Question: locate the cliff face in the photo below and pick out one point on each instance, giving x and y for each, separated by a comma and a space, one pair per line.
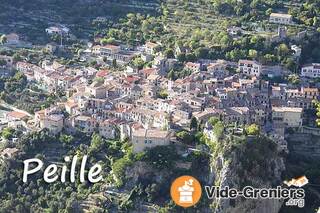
305, 145
253, 163
235, 172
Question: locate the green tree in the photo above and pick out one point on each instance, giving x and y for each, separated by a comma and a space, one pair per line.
185, 137
253, 54
114, 63
163, 94
169, 53
97, 142
138, 62
171, 75
106, 41
213, 121
193, 123
7, 133
317, 106
283, 50
253, 129
294, 79
218, 129
68, 139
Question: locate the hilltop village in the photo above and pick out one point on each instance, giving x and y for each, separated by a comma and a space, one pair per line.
225, 91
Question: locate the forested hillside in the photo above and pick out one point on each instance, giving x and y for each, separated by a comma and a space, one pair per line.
30, 18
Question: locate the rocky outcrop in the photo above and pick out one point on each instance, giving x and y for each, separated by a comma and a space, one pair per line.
235, 174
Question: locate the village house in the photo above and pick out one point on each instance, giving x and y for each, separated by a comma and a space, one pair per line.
52, 66
144, 73
297, 51
16, 119
239, 115
151, 48
259, 115
218, 69
58, 30
71, 107
31, 71
194, 67
297, 102
51, 119
274, 71
279, 18
204, 116
86, 124
113, 52
181, 50
308, 92
146, 57
149, 138
109, 129
15, 116
95, 106
250, 68
12, 39
9, 153
311, 70
154, 79
96, 89
164, 64
291, 117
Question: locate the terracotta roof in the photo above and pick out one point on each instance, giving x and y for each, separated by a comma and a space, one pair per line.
148, 71
310, 89
153, 133
151, 45
18, 115
71, 104
102, 73
132, 79
113, 47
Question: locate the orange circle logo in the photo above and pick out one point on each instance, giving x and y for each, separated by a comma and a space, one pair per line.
186, 191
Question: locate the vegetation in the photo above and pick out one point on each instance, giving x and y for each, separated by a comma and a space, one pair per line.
185, 137
38, 196
16, 91
163, 94
253, 129
7, 133
193, 123
317, 105
213, 121
218, 129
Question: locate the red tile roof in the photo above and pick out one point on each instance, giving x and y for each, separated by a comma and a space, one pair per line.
102, 73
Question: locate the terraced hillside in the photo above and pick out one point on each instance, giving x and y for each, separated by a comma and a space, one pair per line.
30, 18
195, 17
193, 13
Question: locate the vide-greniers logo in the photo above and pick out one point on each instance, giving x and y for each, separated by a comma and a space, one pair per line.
186, 191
